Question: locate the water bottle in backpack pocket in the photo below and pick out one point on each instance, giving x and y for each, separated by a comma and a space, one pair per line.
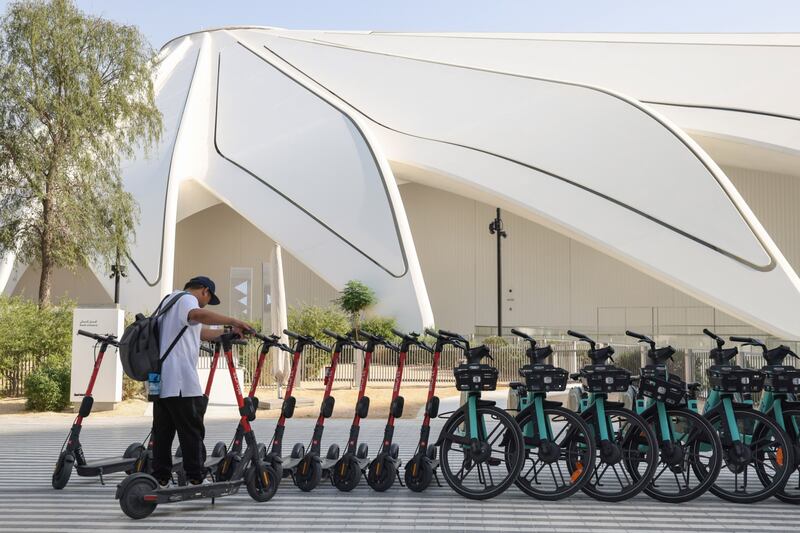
153, 386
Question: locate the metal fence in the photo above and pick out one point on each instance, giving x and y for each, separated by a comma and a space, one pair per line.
12, 380
508, 359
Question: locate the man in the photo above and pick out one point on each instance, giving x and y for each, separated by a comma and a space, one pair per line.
181, 406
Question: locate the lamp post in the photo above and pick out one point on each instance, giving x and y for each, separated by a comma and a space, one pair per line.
496, 228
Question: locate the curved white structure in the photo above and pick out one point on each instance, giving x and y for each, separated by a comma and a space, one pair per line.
587, 135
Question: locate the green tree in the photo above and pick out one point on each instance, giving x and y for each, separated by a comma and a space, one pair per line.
355, 298
77, 96
32, 336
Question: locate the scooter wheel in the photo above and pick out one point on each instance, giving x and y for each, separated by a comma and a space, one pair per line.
346, 474
333, 452
394, 450
298, 451
381, 473
131, 452
63, 470
220, 449
363, 450
227, 466
261, 451
131, 495
419, 473
430, 452
262, 484
308, 474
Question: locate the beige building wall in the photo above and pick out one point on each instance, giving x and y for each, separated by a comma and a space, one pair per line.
217, 239
551, 283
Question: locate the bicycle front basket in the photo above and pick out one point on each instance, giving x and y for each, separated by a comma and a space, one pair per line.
725, 378
605, 378
784, 379
544, 378
475, 377
671, 391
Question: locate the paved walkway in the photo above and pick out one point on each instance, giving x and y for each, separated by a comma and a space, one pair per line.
29, 447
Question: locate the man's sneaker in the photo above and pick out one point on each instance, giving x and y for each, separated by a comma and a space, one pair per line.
204, 481
165, 484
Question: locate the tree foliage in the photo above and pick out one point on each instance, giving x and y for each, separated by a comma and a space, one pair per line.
77, 96
32, 336
354, 299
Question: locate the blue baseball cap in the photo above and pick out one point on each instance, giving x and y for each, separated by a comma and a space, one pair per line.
208, 283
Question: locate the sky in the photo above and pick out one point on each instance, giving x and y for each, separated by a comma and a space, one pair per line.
161, 20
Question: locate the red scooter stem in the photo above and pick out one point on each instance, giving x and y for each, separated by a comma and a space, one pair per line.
290, 383
257, 374
93, 378
432, 386
212, 370
398, 378
237, 389
329, 384
362, 387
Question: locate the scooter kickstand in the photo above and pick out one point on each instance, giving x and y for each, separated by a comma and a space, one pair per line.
102, 481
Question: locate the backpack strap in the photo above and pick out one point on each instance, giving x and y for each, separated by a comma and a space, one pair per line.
157, 314
171, 346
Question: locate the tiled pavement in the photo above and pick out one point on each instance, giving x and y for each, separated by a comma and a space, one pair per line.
28, 448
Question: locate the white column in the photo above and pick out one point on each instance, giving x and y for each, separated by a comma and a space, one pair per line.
108, 385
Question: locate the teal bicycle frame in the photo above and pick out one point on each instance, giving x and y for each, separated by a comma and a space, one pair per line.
542, 428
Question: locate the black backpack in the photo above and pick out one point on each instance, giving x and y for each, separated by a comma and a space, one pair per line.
140, 346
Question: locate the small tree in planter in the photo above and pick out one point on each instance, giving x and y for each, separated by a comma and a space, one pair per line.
356, 297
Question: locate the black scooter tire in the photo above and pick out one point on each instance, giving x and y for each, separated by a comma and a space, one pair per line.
381, 473
308, 474
261, 487
346, 474
419, 473
130, 493
220, 450
63, 470
132, 451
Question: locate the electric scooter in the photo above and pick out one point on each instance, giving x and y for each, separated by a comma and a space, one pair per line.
421, 469
226, 465
72, 450
308, 471
145, 463
274, 456
385, 467
347, 471
139, 494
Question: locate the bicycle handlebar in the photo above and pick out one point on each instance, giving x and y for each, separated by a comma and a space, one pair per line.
750, 341
720, 340
107, 339
519, 333
582, 337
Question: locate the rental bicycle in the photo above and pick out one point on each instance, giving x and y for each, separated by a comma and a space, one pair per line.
481, 444
778, 401
690, 452
559, 449
758, 456
627, 448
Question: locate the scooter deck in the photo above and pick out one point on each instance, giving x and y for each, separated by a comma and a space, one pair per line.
108, 465
289, 464
194, 492
211, 462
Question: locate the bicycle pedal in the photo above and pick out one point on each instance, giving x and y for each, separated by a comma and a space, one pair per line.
493, 461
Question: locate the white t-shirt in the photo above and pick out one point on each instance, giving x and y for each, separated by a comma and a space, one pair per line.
179, 370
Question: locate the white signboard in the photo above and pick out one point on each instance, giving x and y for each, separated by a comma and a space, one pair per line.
108, 385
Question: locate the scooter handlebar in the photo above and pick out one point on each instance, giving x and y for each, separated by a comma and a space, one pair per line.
108, 339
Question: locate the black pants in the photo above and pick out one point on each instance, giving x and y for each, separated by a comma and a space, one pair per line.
184, 415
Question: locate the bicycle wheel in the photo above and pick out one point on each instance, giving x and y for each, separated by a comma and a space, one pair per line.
559, 464
689, 463
791, 491
625, 463
756, 467
480, 468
